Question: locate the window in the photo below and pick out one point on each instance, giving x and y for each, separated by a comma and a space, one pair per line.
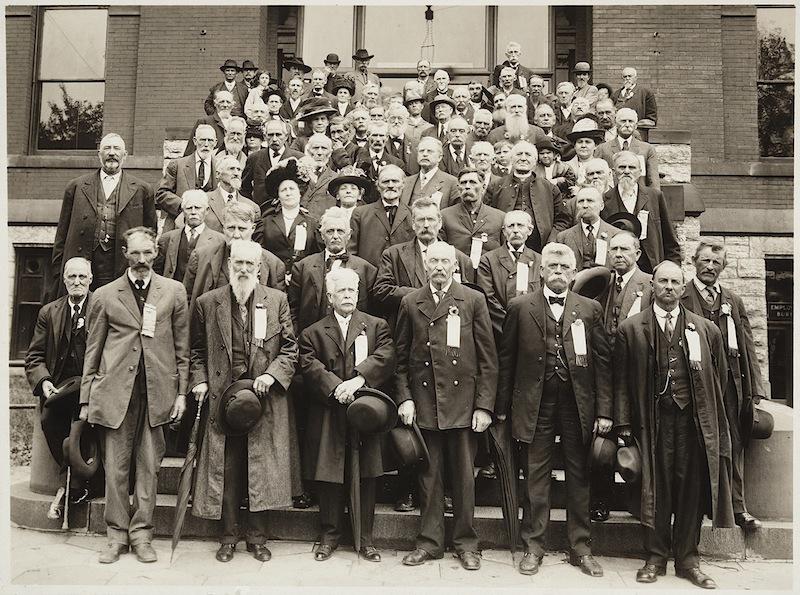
30, 284
780, 290
776, 81
71, 78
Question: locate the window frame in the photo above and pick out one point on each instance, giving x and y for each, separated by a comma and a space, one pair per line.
36, 102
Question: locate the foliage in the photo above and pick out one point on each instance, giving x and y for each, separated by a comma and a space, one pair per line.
72, 124
776, 101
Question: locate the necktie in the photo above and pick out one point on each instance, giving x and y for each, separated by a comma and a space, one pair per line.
668, 328
230, 199
459, 159
243, 314
192, 238
201, 174
275, 153
396, 143
343, 257
625, 145
139, 284
439, 296
76, 311
552, 299
710, 295
590, 235
390, 213
618, 284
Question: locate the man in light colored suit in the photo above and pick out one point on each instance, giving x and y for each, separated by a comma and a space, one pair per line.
229, 182
431, 181
135, 377
625, 140
589, 237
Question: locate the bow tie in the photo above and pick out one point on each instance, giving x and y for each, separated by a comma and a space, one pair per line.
343, 256
555, 300
139, 284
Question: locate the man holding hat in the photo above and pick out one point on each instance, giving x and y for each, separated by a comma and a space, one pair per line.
626, 140
705, 296
670, 379
583, 72
361, 74
555, 377
339, 355
243, 357
589, 237
331, 65
237, 89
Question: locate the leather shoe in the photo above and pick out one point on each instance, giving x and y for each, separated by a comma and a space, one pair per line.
530, 563
488, 472
587, 564
416, 558
225, 552
649, 573
324, 552
405, 503
470, 560
303, 501
448, 504
260, 551
145, 552
697, 577
112, 552
370, 553
746, 521
599, 514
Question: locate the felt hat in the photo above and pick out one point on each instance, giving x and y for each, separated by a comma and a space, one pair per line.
273, 90
362, 54
82, 449
602, 453
629, 461
351, 175
248, 65
279, 174
230, 64
591, 282
239, 409
546, 144
344, 82
582, 67
298, 62
586, 128
755, 422
332, 59
314, 107
408, 445
626, 222
69, 387
413, 95
442, 99
372, 411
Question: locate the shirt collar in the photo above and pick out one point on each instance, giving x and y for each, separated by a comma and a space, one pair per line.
661, 313
430, 174
115, 177
701, 287
627, 276
595, 227
79, 304
200, 229
342, 320
422, 247
511, 249
550, 293
146, 279
198, 159
444, 289
293, 214
374, 156
621, 140
328, 253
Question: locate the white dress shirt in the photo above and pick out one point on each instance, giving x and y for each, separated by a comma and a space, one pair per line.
595, 228
196, 230
110, 181
344, 323
626, 277
630, 200
146, 279
444, 290
661, 315
702, 288
556, 309
72, 305
424, 178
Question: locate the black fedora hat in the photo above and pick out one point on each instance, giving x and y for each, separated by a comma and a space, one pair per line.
298, 62
372, 411
278, 175
362, 54
315, 107
273, 90
239, 409
409, 445
82, 449
547, 144
351, 175
248, 65
626, 222
229, 63
344, 82
67, 388
591, 282
756, 423
629, 461
602, 453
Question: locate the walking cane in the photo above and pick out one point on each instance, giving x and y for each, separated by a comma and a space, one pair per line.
65, 522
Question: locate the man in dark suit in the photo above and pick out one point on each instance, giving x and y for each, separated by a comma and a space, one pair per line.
447, 382
482, 124
545, 118
625, 140
195, 171
431, 181
669, 380
291, 107
555, 369
589, 237
260, 162
385, 222
340, 354
455, 150
638, 98
399, 144
463, 107
523, 74
374, 157
237, 89
317, 88
706, 297
523, 190
510, 270
228, 175
659, 241
536, 96
219, 120
96, 211
135, 378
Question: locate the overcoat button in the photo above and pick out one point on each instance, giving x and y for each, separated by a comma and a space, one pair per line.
428, 344
427, 363
455, 361
218, 372
455, 382
424, 384
130, 368
431, 324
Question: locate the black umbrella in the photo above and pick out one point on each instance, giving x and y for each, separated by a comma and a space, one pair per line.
508, 474
355, 490
185, 482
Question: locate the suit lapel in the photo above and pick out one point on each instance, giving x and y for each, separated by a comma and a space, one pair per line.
224, 322
537, 311
259, 296
317, 274
189, 172
171, 257
334, 332
217, 205
576, 233
127, 298
89, 190
505, 259
399, 216
380, 215
426, 303
571, 313
126, 192
59, 320
641, 201
408, 256
357, 325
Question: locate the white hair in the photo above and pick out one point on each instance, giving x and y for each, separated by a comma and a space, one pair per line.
198, 195
525, 215
109, 136
455, 119
482, 144
565, 85
205, 126
246, 248
627, 111
448, 249
337, 275
334, 214
556, 249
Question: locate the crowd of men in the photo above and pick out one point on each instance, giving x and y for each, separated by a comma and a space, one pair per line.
483, 255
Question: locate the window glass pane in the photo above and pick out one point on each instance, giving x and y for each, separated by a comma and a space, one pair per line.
530, 27
458, 35
776, 43
337, 23
73, 45
71, 116
776, 120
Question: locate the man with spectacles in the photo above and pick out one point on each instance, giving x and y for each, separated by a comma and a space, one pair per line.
233, 142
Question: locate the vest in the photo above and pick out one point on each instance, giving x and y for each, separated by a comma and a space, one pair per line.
523, 203
73, 345
240, 340
711, 312
614, 307
184, 250
106, 223
673, 370
555, 362
589, 248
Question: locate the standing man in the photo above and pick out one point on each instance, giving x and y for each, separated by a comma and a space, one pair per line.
669, 380
361, 73
536, 95
135, 377
424, 77
589, 237
417, 125
219, 120
340, 354
331, 65
237, 89
454, 151
374, 157
400, 144
555, 369
583, 88
639, 99
522, 73
249, 74
441, 323
442, 107
228, 176
625, 140
706, 297
96, 211
431, 181
260, 162
233, 140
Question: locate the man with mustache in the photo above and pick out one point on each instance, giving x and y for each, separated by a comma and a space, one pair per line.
522, 74
481, 126
233, 141
424, 77
583, 72
606, 118
400, 144
243, 330
625, 140
431, 181
96, 211
516, 126
415, 103
454, 151
238, 90
361, 73
374, 157
565, 92
223, 105
589, 237
545, 118
260, 162
229, 183
639, 99
135, 378
536, 96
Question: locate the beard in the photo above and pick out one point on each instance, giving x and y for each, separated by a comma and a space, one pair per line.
627, 185
517, 126
242, 286
233, 147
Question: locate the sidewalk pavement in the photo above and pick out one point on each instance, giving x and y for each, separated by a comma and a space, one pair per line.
53, 558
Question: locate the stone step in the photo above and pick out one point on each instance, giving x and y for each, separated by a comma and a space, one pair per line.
619, 536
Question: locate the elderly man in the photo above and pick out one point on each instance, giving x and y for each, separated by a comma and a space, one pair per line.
669, 382
383, 223
431, 181
233, 141
361, 73
249, 74
291, 106
583, 88
481, 155
332, 376
441, 81
659, 240
317, 88
96, 211
472, 226
135, 377
625, 140
315, 195
370, 98
330, 66
400, 144
706, 297
481, 126
545, 118
516, 126
579, 109
510, 270
223, 104
477, 96
195, 171
589, 237
565, 92
639, 99
463, 107
438, 324
522, 73
424, 77
597, 173
606, 118
536, 95
208, 266
442, 108
523, 190
229, 183
507, 82
359, 120
260, 162
416, 125
237, 89
454, 151
241, 335
374, 157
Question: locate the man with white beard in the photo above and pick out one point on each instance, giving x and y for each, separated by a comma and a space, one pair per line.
233, 141
399, 144
516, 125
223, 104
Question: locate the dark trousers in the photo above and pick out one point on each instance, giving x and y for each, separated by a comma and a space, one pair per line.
332, 499
235, 487
558, 414
104, 270
457, 458
678, 484
732, 408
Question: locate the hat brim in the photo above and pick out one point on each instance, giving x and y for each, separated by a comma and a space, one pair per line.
591, 282
602, 453
277, 176
69, 387
83, 439
598, 136
302, 66
367, 391
626, 222
434, 103
364, 183
223, 68
362, 57
230, 392
328, 111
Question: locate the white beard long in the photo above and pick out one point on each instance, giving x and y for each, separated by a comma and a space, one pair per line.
242, 288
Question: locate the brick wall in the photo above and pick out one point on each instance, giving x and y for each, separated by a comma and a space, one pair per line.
20, 35
122, 52
745, 191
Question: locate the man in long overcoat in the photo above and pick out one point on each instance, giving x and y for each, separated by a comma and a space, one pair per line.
670, 376
227, 345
